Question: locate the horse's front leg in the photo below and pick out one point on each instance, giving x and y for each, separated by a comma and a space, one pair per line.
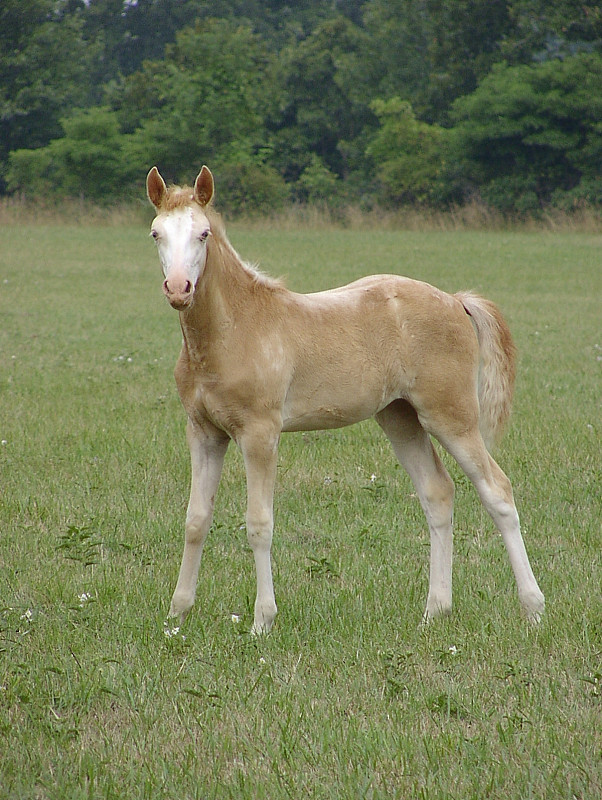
207, 450
260, 453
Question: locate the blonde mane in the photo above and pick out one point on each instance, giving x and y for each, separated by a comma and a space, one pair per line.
176, 197
182, 197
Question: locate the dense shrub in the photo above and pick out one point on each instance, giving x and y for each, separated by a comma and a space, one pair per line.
409, 154
250, 189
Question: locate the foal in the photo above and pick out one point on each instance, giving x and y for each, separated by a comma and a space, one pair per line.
258, 359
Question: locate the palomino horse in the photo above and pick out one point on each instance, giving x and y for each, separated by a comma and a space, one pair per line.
258, 359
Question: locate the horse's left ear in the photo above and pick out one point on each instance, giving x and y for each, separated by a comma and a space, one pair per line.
203, 187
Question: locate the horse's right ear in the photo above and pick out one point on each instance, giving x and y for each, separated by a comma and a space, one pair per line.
203, 186
155, 187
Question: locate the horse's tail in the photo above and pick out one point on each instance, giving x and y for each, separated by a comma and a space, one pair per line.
497, 368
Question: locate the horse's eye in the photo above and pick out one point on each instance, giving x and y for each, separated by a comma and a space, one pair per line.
203, 236
154, 234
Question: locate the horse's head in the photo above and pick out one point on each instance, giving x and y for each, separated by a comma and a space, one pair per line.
181, 231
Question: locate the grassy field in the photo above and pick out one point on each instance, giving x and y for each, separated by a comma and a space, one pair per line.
348, 697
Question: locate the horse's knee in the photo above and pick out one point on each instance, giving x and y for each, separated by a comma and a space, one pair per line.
197, 526
259, 530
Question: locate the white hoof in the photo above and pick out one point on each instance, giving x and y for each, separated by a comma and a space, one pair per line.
180, 606
436, 608
534, 605
264, 620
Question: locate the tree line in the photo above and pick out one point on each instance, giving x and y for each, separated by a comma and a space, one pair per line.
380, 102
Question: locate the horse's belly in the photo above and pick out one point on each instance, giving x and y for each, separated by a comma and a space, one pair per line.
337, 411
321, 419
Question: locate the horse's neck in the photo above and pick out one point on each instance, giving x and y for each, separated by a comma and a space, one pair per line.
224, 289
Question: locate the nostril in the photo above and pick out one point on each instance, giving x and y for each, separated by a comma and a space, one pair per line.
177, 286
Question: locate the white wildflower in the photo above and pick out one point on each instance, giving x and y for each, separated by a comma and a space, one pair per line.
83, 598
28, 615
235, 618
327, 480
171, 632
453, 650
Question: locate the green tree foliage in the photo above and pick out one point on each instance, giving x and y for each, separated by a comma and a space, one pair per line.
250, 188
397, 53
133, 31
410, 100
317, 185
325, 94
465, 37
543, 29
532, 134
205, 102
43, 71
278, 22
410, 155
431, 51
87, 161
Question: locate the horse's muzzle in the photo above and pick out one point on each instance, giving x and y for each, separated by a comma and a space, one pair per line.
178, 293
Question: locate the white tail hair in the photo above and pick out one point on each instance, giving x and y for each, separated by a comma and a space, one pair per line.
497, 368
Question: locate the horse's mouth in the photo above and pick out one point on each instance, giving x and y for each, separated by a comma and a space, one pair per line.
180, 303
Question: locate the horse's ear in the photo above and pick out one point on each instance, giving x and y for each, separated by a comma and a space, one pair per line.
203, 187
155, 187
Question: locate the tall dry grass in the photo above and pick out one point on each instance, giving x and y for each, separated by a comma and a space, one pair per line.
17, 210
472, 216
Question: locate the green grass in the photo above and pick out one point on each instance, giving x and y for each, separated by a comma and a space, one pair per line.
348, 697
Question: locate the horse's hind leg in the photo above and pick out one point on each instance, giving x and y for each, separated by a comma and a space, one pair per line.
435, 489
495, 492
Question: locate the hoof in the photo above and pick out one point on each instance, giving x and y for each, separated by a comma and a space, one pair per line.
264, 620
534, 606
434, 610
180, 607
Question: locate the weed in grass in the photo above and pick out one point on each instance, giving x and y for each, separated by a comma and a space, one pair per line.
80, 544
321, 567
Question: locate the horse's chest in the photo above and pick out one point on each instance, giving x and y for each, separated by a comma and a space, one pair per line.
205, 396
